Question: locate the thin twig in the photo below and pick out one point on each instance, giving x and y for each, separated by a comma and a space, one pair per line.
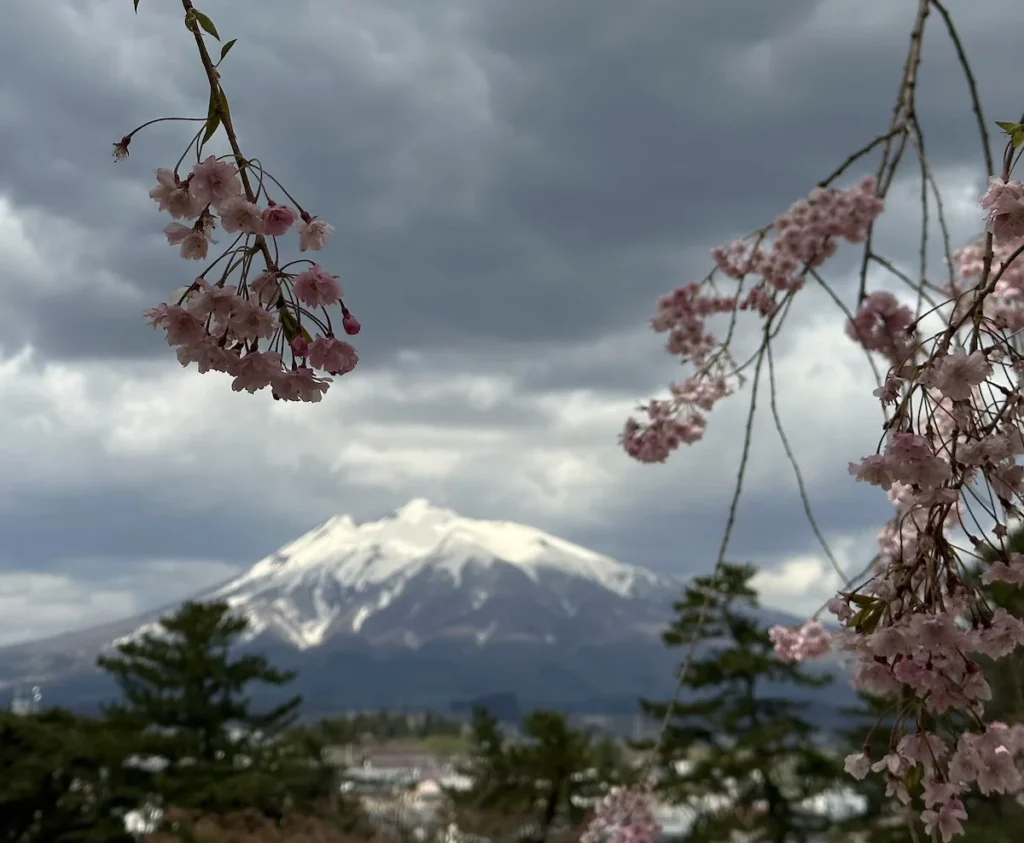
860, 153
972, 85
796, 469
723, 548
902, 112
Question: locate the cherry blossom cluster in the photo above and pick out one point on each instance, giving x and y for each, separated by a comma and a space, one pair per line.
807, 642
267, 327
955, 413
220, 326
1005, 304
623, 815
884, 325
920, 624
805, 237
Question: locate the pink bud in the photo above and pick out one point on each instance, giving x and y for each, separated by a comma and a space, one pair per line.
299, 346
351, 324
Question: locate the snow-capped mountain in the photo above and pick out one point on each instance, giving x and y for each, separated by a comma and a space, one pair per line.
421, 608
427, 574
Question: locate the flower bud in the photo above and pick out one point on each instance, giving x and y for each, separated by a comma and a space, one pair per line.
351, 324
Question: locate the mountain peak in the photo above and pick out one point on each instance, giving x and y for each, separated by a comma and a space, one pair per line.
420, 509
315, 580
421, 535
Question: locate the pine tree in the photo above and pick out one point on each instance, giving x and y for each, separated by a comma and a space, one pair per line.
752, 758
525, 790
551, 767
184, 700
62, 780
488, 766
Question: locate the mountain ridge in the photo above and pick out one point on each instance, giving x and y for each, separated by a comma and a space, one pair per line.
421, 607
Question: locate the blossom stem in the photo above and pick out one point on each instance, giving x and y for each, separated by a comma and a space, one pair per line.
229, 129
161, 120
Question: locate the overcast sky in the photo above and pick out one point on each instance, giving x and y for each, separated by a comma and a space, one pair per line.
513, 185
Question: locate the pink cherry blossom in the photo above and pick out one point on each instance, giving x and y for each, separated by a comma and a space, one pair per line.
857, 765
301, 384
333, 356
314, 233
1004, 201
624, 815
948, 819
213, 182
1011, 571
239, 214
795, 645
956, 375
884, 325
316, 287
172, 195
248, 322
256, 370
277, 219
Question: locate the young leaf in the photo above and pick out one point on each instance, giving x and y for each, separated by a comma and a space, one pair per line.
1017, 138
1009, 128
226, 109
288, 323
207, 24
212, 118
913, 778
227, 48
871, 619
136, 6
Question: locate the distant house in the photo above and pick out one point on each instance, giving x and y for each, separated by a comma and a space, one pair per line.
428, 795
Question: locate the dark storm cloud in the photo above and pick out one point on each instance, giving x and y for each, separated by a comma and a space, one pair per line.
533, 181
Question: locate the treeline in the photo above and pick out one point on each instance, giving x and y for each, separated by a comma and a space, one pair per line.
389, 725
184, 747
186, 739
738, 750
539, 786
183, 739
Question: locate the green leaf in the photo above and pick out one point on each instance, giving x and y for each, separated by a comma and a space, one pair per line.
861, 600
871, 619
224, 104
1017, 138
212, 117
1009, 128
207, 24
288, 323
227, 48
913, 778
136, 6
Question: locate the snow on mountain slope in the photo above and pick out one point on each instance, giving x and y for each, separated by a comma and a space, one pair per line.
425, 573
420, 535
421, 608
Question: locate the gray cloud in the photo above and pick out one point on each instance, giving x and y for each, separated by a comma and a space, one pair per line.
513, 185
